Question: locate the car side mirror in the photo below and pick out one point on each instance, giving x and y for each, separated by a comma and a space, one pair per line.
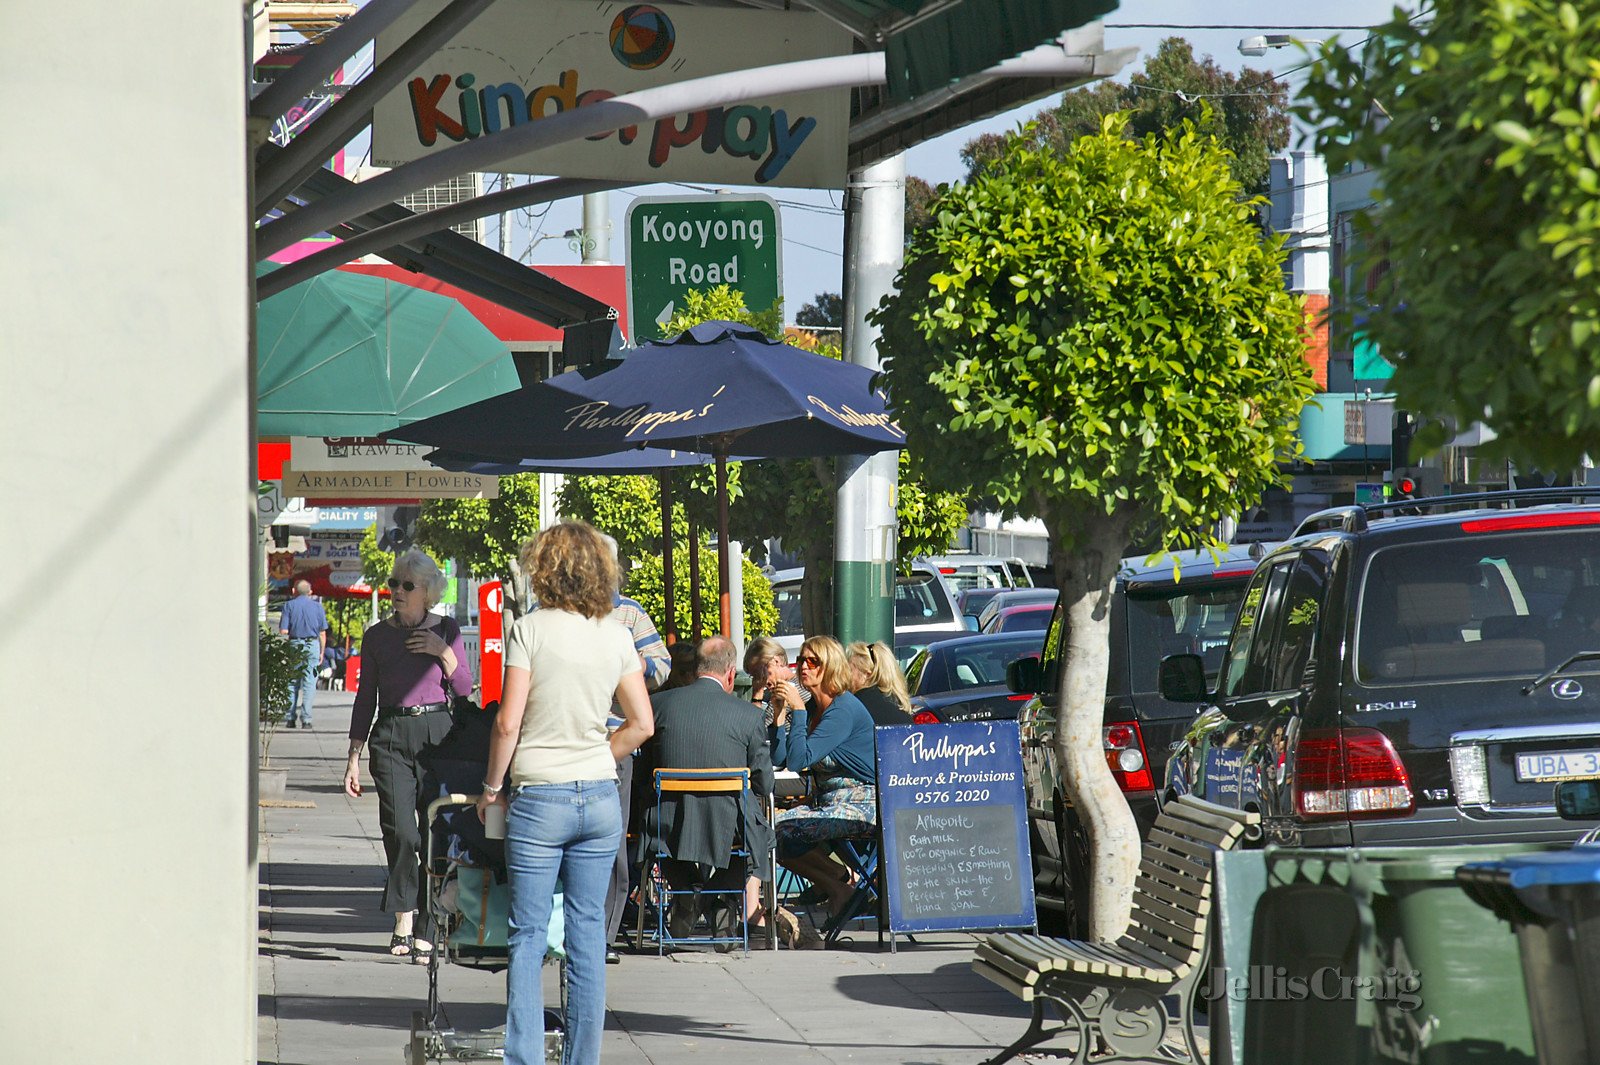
1024, 676
1578, 800
970, 621
1182, 679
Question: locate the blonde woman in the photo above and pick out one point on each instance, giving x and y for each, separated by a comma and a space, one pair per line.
833, 739
565, 663
879, 684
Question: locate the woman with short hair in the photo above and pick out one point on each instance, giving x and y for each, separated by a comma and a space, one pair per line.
565, 664
413, 663
879, 684
833, 738
772, 682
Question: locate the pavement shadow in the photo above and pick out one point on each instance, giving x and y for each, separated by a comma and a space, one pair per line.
753, 1032
952, 988
278, 875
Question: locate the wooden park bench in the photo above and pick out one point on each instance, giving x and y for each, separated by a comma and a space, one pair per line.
1110, 994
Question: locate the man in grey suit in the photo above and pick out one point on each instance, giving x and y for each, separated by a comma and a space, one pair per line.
704, 726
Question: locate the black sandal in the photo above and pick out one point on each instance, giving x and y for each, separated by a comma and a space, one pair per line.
421, 951
400, 946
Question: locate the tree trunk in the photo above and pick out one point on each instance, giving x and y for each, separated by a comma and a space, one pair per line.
512, 604
816, 589
1088, 551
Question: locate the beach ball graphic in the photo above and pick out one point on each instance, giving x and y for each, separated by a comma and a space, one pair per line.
642, 37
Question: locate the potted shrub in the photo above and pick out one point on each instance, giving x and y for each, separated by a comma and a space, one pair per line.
279, 664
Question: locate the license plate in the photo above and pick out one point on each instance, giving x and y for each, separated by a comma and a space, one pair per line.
1559, 765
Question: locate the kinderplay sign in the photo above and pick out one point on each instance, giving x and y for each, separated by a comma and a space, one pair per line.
520, 63
699, 242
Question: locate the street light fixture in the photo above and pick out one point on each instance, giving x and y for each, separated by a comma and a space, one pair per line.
1261, 44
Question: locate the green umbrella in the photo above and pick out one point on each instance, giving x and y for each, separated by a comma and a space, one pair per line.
345, 354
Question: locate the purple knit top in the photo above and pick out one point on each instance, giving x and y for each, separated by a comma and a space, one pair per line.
393, 676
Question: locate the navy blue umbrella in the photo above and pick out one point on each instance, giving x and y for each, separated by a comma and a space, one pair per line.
721, 386
725, 386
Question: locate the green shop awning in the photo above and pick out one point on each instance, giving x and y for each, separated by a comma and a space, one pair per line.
346, 354
929, 44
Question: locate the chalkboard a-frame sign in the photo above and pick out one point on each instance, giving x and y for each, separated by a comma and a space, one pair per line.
954, 819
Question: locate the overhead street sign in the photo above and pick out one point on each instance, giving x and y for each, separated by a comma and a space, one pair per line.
675, 245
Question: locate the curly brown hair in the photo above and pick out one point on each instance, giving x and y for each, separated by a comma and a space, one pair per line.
569, 567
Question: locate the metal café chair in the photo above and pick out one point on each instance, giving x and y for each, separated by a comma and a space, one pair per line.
734, 783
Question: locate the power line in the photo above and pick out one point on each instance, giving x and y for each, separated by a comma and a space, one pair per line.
1217, 26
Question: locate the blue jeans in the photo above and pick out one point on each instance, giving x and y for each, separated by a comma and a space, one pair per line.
568, 832
305, 685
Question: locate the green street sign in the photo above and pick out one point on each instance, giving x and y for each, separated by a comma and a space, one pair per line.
679, 244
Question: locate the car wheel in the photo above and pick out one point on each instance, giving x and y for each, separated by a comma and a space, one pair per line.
1075, 871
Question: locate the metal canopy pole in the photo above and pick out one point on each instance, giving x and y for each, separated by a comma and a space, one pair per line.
631, 109
391, 226
284, 172
317, 64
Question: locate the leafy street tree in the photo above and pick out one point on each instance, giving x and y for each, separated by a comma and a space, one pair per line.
1099, 337
485, 534
1247, 112
825, 310
629, 509
1483, 124
920, 196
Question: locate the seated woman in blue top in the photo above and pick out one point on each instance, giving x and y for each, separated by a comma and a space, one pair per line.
833, 739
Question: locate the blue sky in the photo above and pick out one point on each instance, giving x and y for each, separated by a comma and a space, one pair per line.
813, 221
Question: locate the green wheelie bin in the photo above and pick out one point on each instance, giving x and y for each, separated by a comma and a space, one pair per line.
1377, 955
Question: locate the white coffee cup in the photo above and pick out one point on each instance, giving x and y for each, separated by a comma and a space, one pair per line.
494, 821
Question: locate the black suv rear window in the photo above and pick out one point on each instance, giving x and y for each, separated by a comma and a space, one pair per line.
1479, 607
1192, 618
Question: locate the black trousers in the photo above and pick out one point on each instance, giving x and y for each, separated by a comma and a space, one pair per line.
395, 743
621, 872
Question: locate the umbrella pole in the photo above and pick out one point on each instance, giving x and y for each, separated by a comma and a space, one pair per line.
669, 590
723, 576
694, 578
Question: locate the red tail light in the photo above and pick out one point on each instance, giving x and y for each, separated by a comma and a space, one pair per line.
924, 717
1125, 754
1353, 772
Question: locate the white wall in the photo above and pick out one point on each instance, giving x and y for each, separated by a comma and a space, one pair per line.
127, 927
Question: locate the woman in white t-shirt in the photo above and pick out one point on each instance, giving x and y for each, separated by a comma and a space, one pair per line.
565, 663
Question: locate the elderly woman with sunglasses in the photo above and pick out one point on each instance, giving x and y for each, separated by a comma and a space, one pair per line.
833, 739
412, 664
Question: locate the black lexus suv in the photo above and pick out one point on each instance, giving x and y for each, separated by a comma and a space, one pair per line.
1416, 672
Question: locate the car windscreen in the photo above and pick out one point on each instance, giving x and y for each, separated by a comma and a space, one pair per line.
1187, 618
1033, 620
1479, 606
974, 665
975, 575
918, 600
791, 619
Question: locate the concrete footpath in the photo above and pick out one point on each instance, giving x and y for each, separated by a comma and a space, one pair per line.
330, 993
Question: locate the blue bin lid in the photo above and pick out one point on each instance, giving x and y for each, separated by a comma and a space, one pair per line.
1580, 865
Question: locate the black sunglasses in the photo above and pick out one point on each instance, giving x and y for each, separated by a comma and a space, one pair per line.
810, 660
409, 586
